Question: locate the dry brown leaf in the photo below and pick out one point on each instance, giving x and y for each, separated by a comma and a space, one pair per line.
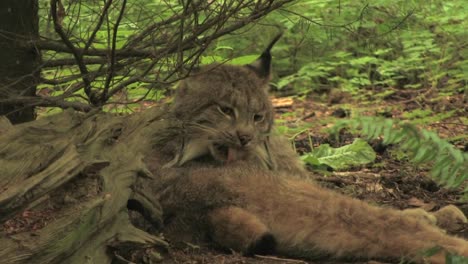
421, 204
374, 187
282, 102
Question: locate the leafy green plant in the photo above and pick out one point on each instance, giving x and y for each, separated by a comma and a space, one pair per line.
357, 153
455, 259
450, 258
360, 44
449, 164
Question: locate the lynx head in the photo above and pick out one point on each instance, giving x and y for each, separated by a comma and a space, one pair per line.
227, 113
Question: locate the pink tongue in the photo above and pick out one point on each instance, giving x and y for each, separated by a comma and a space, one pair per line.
231, 155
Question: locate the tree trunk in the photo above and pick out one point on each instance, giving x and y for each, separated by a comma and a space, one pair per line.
19, 67
66, 182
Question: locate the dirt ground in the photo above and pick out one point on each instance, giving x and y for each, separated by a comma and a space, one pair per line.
387, 182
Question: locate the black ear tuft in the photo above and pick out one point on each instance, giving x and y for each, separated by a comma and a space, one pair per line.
262, 66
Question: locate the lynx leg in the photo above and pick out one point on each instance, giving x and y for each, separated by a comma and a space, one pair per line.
237, 229
308, 221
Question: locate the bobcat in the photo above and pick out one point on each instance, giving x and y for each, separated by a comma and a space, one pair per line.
225, 177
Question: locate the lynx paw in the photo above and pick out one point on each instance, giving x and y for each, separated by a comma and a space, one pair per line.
236, 229
265, 245
450, 218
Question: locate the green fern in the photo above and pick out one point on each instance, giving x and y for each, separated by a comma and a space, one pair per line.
450, 165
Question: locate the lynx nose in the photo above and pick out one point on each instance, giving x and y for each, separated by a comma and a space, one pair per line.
244, 138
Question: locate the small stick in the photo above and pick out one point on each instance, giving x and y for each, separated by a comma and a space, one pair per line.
281, 259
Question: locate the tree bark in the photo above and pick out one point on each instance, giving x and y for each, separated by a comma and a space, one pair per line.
19, 67
67, 181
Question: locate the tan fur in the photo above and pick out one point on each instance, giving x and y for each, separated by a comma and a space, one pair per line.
421, 215
241, 202
200, 101
450, 218
244, 228
256, 197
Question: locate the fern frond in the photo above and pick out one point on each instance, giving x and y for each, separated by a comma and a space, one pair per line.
449, 164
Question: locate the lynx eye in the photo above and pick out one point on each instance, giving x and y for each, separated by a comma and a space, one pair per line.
258, 117
226, 110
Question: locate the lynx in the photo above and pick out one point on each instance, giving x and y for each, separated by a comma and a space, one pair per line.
225, 177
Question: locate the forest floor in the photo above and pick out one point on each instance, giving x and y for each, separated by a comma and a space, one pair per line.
390, 181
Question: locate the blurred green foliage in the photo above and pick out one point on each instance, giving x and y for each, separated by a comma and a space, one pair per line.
349, 45
353, 45
449, 164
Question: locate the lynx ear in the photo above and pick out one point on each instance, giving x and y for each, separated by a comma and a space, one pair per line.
262, 66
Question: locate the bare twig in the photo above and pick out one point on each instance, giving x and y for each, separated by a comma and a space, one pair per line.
410, 13
110, 71
46, 101
124, 53
98, 25
281, 260
138, 38
174, 43
61, 80
78, 57
359, 18
71, 62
